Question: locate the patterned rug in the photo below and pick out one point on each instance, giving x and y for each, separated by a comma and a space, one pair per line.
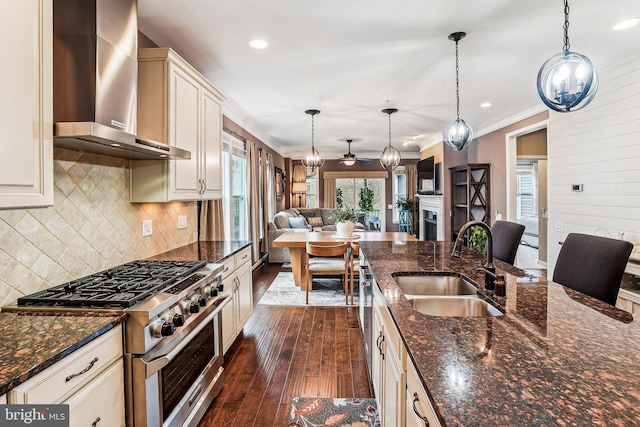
326, 292
306, 412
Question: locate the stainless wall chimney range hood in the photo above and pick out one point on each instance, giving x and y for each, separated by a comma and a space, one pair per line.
95, 78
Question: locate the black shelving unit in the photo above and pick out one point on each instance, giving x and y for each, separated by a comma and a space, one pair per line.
470, 195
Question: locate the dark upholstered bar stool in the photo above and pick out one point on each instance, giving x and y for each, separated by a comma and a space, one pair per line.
506, 239
593, 265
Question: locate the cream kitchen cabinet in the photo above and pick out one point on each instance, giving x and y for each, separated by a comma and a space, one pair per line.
419, 412
3, 399
238, 284
90, 380
177, 106
26, 109
628, 301
388, 361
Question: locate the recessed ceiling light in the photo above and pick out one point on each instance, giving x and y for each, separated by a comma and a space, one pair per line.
258, 44
627, 23
485, 105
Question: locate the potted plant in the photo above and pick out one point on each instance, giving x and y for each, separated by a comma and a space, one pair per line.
345, 221
478, 239
405, 204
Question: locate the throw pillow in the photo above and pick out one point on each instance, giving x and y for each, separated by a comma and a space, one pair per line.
281, 220
298, 222
315, 221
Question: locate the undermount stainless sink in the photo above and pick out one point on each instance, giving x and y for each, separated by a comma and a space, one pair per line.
455, 307
419, 285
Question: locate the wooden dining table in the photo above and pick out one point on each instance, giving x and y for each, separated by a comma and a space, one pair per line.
297, 244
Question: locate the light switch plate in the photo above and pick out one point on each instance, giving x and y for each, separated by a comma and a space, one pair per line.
182, 221
147, 227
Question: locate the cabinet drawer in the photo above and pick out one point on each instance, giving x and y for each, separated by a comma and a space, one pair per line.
243, 256
422, 405
3, 399
229, 266
101, 401
63, 378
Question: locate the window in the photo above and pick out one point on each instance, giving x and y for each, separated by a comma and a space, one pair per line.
312, 190
235, 205
348, 192
399, 189
527, 190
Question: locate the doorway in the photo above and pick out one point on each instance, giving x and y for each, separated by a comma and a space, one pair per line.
527, 191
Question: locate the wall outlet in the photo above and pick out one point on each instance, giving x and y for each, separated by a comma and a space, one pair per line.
389, 206
182, 221
498, 216
559, 226
147, 227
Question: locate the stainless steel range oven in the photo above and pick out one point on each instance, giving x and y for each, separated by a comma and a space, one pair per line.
172, 333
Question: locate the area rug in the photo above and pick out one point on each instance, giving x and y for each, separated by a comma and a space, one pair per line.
326, 292
306, 412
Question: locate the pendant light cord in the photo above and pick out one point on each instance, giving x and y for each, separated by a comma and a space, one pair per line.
566, 26
312, 134
389, 129
457, 84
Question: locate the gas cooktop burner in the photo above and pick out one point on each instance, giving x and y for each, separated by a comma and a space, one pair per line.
122, 286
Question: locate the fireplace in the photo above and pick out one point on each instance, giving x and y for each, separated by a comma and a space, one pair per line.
430, 225
431, 209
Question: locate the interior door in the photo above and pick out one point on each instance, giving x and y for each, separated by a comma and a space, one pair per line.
543, 214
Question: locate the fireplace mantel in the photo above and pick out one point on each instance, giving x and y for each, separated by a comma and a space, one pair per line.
434, 204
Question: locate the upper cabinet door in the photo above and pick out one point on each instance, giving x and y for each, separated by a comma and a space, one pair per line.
184, 133
26, 106
212, 145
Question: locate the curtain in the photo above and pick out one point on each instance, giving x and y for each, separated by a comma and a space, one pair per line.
268, 200
253, 200
211, 220
329, 192
412, 180
412, 184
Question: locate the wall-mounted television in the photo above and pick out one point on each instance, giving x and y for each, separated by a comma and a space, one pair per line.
428, 176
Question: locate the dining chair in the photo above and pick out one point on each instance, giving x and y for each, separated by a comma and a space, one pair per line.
506, 239
332, 259
354, 266
592, 265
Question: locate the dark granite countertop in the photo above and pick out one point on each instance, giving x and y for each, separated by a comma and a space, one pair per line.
210, 251
32, 342
556, 358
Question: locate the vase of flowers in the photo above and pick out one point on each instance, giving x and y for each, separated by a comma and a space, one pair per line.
345, 221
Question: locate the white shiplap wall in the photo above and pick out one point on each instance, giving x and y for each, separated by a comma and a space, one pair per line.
599, 147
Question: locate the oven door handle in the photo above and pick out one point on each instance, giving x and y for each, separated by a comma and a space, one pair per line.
154, 363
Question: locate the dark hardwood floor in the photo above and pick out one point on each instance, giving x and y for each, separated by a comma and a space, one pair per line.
285, 352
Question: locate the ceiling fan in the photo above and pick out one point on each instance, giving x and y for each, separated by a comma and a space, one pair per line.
350, 159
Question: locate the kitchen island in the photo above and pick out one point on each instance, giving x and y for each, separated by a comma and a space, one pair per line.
557, 357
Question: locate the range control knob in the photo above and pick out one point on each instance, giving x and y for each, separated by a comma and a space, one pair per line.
163, 329
176, 319
206, 291
199, 299
194, 307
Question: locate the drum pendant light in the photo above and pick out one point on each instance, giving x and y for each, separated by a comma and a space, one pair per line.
312, 159
458, 134
567, 81
390, 158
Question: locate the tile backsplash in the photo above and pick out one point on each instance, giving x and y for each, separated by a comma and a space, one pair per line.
91, 227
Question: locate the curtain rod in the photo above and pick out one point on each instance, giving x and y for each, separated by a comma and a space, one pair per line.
236, 134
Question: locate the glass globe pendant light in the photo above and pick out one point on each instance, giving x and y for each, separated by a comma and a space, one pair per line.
458, 134
567, 81
312, 159
390, 158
